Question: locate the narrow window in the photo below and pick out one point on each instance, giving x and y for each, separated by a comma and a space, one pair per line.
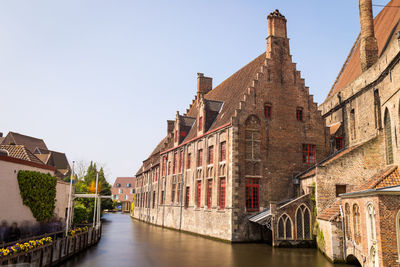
299, 114
162, 198
339, 142
176, 135
209, 194
181, 161
187, 197
200, 126
222, 193
340, 189
377, 109
353, 124
169, 167
356, 223
347, 221
175, 162
210, 155
164, 165
173, 193
284, 227
154, 199
252, 194
189, 156
179, 193
309, 154
198, 194
388, 135
267, 111
222, 151
200, 158
303, 222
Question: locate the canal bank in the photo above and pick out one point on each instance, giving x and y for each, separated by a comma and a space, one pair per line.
128, 242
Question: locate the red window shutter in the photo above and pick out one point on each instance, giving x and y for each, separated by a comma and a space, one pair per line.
222, 193
211, 155
209, 194
267, 111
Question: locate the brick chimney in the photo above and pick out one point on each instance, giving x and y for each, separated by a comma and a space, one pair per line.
204, 84
277, 24
368, 44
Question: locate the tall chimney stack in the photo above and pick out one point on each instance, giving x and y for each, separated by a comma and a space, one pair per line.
204, 84
277, 24
368, 44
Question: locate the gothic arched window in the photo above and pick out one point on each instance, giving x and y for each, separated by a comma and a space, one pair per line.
347, 220
388, 136
303, 222
356, 224
284, 227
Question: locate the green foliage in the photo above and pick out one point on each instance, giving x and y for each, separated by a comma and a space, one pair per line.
38, 192
313, 199
320, 237
80, 214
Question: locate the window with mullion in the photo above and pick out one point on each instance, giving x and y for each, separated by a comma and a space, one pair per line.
222, 193
222, 151
209, 194
309, 154
252, 194
210, 155
200, 158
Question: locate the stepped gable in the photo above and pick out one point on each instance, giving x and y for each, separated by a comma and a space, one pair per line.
29, 142
230, 92
384, 24
21, 152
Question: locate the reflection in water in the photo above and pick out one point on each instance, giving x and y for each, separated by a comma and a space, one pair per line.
127, 242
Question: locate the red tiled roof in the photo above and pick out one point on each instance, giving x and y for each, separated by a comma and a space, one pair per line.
21, 152
384, 23
389, 176
331, 212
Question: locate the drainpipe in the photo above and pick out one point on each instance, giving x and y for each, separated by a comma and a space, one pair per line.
344, 232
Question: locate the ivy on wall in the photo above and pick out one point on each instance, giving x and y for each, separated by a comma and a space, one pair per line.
38, 192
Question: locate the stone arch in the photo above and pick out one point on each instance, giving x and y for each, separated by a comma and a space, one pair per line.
252, 120
303, 222
388, 137
285, 227
351, 259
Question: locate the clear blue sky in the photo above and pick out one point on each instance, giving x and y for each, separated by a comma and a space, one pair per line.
98, 79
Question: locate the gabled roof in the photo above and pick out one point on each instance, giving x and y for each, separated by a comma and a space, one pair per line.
21, 152
29, 142
384, 24
54, 158
125, 180
230, 93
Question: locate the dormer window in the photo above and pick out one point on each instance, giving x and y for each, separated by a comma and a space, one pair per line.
200, 126
267, 111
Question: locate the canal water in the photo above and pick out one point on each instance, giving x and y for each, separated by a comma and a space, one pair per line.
127, 242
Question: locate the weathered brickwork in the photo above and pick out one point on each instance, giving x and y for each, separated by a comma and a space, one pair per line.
264, 116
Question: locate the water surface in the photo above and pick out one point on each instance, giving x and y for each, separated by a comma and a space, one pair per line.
127, 242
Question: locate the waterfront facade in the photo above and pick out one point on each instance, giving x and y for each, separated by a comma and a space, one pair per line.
235, 151
362, 111
123, 192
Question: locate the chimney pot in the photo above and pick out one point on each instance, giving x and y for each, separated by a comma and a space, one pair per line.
277, 24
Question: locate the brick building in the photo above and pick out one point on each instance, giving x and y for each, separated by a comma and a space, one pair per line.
123, 192
235, 151
362, 112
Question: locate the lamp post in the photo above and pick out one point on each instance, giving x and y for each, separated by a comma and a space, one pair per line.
68, 224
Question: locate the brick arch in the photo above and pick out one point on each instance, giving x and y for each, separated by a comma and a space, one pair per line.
352, 259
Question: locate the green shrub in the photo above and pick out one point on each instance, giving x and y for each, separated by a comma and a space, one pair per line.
38, 192
80, 214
